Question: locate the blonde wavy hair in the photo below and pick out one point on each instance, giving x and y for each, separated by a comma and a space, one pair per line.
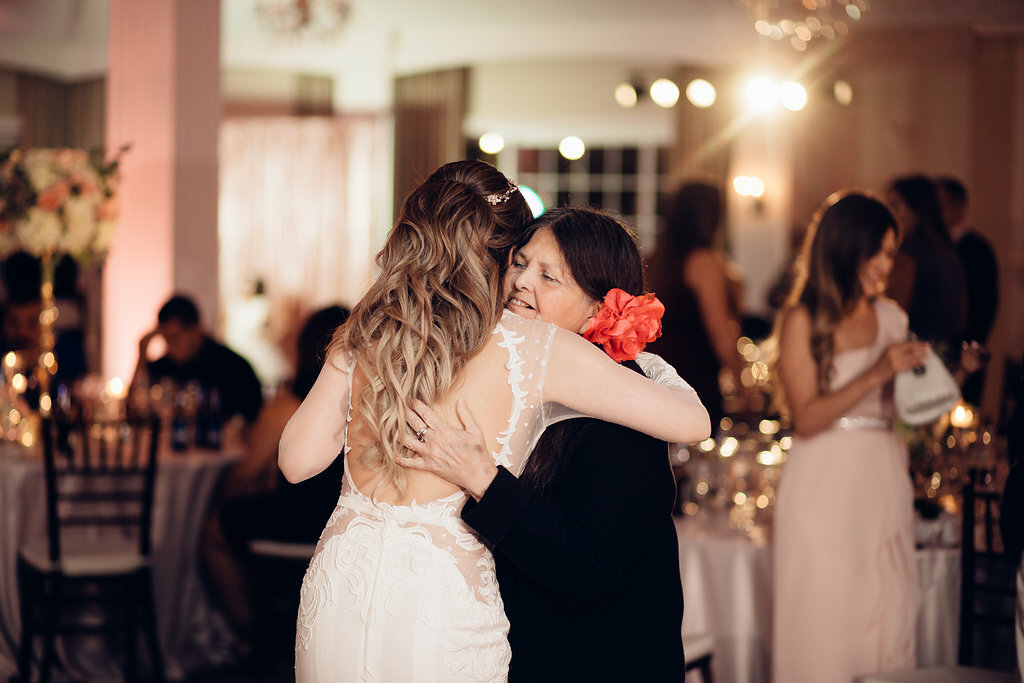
845, 232
434, 303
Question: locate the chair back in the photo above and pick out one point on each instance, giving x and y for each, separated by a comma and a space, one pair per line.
987, 579
100, 477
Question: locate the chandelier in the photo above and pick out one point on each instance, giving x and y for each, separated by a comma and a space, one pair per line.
321, 20
801, 22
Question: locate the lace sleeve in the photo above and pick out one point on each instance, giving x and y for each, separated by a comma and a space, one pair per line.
658, 369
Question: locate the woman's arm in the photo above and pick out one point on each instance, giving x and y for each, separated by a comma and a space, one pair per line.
315, 434
811, 410
583, 378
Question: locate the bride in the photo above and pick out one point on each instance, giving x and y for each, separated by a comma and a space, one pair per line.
399, 588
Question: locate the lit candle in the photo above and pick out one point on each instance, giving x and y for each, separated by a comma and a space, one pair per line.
116, 388
961, 416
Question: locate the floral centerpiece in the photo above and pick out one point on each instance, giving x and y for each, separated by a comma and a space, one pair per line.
56, 202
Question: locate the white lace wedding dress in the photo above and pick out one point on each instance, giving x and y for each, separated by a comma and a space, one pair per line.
407, 593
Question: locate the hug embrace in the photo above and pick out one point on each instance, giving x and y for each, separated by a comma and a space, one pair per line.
438, 389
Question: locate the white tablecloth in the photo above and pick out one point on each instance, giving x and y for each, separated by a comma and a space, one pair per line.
727, 589
189, 627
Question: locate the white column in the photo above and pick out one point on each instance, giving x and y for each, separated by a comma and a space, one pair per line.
163, 98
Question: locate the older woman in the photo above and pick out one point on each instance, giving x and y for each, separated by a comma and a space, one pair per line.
584, 543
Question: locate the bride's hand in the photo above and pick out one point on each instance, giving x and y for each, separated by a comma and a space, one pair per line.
458, 455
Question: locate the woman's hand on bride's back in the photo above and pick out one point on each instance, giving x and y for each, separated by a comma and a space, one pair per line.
458, 455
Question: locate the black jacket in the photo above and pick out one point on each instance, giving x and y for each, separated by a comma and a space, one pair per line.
589, 573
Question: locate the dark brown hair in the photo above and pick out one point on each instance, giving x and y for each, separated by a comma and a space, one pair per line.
846, 231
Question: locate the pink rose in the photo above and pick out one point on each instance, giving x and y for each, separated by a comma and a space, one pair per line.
53, 197
626, 324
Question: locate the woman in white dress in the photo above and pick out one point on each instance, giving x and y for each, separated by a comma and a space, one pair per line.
845, 578
399, 588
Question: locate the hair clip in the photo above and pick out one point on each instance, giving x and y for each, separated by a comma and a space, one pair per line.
502, 197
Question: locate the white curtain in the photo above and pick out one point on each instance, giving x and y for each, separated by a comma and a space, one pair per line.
296, 207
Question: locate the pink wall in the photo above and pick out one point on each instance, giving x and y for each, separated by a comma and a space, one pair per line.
162, 98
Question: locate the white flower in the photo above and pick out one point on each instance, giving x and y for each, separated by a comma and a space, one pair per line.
40, 231
79, 226
39, 166
70, 207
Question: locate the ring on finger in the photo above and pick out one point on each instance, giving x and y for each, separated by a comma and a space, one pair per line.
421, 432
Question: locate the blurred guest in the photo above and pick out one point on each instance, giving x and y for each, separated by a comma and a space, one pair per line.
927, 279
692, 276
193, 356
981, 273
257, 502
845, 578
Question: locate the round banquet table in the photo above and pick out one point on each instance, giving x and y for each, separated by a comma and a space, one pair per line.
193, 634
727, 591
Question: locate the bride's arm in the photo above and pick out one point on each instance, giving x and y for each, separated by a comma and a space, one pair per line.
315, 434
582, 377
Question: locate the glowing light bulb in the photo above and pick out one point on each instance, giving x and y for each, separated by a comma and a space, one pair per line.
700, 93
665, 93
491, 143
571, 148
793, 96
625, 95
533, 200
762, 93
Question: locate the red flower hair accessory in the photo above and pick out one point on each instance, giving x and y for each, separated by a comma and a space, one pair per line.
625, 324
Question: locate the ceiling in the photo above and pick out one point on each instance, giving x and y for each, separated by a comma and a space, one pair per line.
67, 38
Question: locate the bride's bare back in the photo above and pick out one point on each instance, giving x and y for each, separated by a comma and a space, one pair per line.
483, 384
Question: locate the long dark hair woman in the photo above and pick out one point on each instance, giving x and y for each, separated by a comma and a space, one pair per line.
845, 577
692, 276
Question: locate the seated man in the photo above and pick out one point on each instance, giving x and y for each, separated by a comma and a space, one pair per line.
193, 356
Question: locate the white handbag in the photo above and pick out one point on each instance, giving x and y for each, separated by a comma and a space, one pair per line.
924, 393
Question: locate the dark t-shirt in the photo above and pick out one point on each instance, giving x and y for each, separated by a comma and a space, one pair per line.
216, 367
